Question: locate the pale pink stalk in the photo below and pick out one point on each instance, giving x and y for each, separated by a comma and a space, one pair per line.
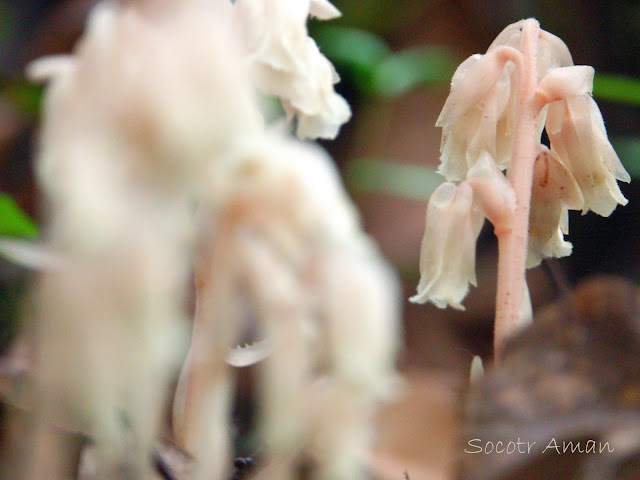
512, 243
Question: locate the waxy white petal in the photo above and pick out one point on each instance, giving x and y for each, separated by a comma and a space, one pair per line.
566, 82
553, 192
447, 256
323, 10
583, 147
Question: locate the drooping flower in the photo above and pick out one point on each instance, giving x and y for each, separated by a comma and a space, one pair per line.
475, 116
447, 256
478, 121
579, 139
286, 62
553, 193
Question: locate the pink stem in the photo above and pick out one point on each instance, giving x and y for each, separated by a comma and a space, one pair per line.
512, 243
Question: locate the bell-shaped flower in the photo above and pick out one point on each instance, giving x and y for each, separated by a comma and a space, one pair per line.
447, 256
579, 139
553, 193
286, 62
478, 114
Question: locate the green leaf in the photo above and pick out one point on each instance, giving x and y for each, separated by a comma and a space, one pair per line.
616, 88
384, 176
418, 66
350, 45
13, 221
25, 96
375, 69
353, 50
628, 149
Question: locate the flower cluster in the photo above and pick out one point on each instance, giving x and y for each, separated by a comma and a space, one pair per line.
479, 119
156, 111
284, 61
289, 244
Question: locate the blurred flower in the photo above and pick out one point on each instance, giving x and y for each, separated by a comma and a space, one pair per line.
287, 63
321, 293
150, 97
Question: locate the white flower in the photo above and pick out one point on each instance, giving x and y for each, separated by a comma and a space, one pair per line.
554, 192
156, 94
294, 189
286, 63
288, 239
447, 256
478, 114
579, 139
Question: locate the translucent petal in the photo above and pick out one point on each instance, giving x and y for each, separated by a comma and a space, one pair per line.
553, 192
287, 63
447, 256
471, 82
585, 152
565, 82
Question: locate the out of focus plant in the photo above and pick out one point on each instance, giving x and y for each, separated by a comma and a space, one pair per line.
157, 111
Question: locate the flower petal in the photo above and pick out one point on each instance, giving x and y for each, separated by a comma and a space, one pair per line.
566, 82
447, 256
287, 63
323, 10
554, 190
583, 147
470, 83
493, 194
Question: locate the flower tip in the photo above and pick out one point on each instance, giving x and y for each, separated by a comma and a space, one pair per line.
323, 10
44, 69
423, 297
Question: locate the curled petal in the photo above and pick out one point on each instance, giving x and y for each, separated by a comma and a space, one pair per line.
447, 256
244, 356
566, 82
606, 151
553, 192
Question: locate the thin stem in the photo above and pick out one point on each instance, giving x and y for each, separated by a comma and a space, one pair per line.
512, 243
